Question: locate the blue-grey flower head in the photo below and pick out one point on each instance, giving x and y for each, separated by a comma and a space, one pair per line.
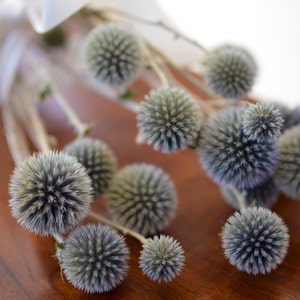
262, 121
162, 258
94, 258
264, 195
230, 157
287, 175
255, 240
142, 197
169, 119
51, 193
112, 54
97, 158
230, 71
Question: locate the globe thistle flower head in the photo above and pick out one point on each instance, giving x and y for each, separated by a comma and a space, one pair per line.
287, 175
262, 121
230, 71
162, 258
51, 193
94, 258
142, 198
98, 160
264, 195
170, 119
255, 240
112, 54
230, 157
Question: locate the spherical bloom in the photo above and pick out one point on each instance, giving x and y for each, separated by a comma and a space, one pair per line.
169, 118
98, 160
51, 193
95, 258
287, 175
264, 195
142, 198
230, 71
230, 157
112, 54
162, 258
262, 121
255, 240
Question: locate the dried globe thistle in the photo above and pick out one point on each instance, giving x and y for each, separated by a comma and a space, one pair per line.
230, 71
255, 240
264, 195
169, 118
112, 54
51, 193
262, 121
98, 160
287, 175
142, 198
161, 258
230, 157
94, 258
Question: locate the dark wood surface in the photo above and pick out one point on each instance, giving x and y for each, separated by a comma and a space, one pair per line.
29, 271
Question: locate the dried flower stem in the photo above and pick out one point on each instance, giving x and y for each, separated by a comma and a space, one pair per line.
123, 229
240, 196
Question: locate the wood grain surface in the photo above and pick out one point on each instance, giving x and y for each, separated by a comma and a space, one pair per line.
28, 269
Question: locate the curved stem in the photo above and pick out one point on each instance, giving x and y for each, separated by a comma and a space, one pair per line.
124, 230
240, 196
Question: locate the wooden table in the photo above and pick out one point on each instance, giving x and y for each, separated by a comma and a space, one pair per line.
29, 271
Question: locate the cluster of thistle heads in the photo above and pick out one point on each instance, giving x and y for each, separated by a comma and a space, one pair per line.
250, 150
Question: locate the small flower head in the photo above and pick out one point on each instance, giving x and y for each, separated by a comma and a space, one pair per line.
230, 157
255, 240
264, 195
287, 175
230, 71
142, 198
169, 118
162, 258
112, 54
51, 193
262, 121
95, 258
98, 160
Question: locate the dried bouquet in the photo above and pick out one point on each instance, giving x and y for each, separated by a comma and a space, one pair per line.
251, 149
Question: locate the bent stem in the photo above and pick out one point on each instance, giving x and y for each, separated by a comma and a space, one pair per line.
124, 230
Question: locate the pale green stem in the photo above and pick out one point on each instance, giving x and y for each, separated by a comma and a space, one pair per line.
240, 196
123, 229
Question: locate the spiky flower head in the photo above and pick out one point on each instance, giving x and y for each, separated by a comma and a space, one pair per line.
98, 160
169, 118
142, 197
51, 193
112, 54
95, 258
287, 175
255, 240
230, 157
264, 195
262, 121
162, 258
230, 71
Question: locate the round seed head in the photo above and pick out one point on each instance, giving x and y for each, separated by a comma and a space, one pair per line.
230, 157
264, 195
287, 175
51, 193
255, 240
262, 121
169, 118
95, 258
98, 160
112, 54
162, 258
230, 71
142, 198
